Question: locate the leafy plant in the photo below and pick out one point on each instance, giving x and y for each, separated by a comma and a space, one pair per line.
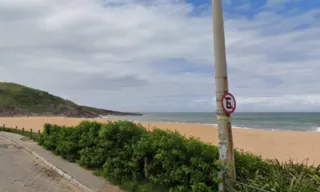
120, 139
138, 160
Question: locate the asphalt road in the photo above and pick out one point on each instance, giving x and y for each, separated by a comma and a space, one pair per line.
21, 172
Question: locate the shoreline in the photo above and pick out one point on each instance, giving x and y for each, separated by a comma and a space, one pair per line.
317, 129
272, 144
313, 129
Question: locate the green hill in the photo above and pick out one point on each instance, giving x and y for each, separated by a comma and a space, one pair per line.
19, 100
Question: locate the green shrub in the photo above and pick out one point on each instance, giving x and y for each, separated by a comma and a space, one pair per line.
91, 155
126, 154
67, 145
119, 139
92, 158
89, 134
176, 162
50, 137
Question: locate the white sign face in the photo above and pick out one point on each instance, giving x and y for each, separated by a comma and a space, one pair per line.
228, 103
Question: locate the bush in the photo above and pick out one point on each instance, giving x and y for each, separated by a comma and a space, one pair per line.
89, 134
67, 145
49, 138
120, 139
126, 154
176, 162
92, 158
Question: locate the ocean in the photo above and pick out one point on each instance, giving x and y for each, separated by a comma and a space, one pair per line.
270, 121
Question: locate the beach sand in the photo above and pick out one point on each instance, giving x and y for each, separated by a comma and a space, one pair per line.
282, 145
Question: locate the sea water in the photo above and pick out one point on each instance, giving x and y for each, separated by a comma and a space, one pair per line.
269, 121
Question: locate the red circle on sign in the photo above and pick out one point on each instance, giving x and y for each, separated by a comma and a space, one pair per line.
225, 100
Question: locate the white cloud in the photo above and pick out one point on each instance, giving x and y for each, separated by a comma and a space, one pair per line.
152, 55
273, 3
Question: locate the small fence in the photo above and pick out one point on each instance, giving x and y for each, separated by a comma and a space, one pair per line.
25, 132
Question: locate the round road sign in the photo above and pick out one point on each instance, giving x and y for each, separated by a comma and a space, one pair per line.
228, 103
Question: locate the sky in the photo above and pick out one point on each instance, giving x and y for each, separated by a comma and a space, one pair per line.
157, 55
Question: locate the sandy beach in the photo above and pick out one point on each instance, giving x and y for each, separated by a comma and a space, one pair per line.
282, 145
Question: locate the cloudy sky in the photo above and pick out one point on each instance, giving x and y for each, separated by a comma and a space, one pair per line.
157, 55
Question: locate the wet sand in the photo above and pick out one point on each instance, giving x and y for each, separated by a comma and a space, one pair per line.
282, 145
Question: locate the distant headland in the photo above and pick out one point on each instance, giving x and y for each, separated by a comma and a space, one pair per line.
19, 100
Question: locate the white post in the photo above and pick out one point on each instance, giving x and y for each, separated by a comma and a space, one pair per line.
226, 151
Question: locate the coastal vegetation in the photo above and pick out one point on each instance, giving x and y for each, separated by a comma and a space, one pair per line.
128, 155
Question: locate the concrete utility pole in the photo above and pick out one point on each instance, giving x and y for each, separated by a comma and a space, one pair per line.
226, 152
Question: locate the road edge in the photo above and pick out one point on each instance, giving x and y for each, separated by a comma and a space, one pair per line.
54, 168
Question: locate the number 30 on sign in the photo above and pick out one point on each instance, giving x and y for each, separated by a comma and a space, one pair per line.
228, 103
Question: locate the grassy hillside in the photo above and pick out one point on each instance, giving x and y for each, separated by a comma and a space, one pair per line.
18, 100
14, 96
